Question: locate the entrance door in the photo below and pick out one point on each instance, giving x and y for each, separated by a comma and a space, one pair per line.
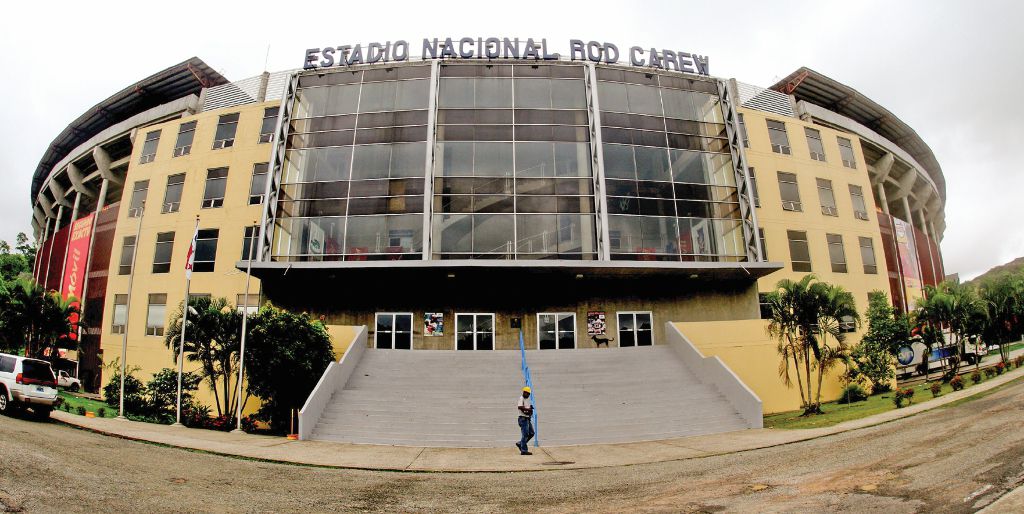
474, 331
635, 329
556, 330
394, 331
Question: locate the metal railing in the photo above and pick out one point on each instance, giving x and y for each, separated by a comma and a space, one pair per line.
529, 383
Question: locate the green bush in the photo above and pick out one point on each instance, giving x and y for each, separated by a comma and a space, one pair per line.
162, 393
990, 372
976, 377
101, 412
80, 410
134, 393
936, 388
902, 395
1019, 361
853, 393
1000, 368
958, 383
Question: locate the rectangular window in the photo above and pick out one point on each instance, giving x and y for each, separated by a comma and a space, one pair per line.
259, 183
216, 184
172, 195
847, 325
743, 132
474, 331
393, 331
120, 313
635, 328
556, 330
269, 124
827, 198
860, 210
247, 305
762, 301
127, 256
149, 147
778, 136
846, 153
814, 144
155, 314
138, 201
249, 241
836, 253
753, 187
790, 192
206, 250
764, 245
183, 146
867, 254
162, 255
799, 252
225, 136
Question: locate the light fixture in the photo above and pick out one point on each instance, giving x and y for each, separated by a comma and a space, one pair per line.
579, 276
451, 275
693, 275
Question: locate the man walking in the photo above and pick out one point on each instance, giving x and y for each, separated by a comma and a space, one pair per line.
525, 426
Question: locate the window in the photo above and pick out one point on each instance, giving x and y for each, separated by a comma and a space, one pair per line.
556, 330
225, 136
138, 201
635, 329
814, 144
259, 183
127, 256
474, 331
206, 250
249, 241
790, 192
847, 325
155, 314
743, 132
799, 253
394, 331
846, 153
860, 211
778, 136
269, 123
216, 184
753, 187
836, 253
172, 195
162, 255
867, 254
183, 146
247, 305
7, 364
763, 306
149, 147
120, 313
764, 245
827, 198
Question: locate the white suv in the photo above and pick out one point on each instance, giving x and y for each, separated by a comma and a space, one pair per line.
27, 382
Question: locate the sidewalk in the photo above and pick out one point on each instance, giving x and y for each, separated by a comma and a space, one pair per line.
407, 458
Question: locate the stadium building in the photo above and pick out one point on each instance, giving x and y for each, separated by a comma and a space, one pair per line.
626, 215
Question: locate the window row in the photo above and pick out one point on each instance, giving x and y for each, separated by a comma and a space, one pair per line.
800, 255
651, 100
156, 310
213, 193
224, 137
789, 191
667, 165
648, 238
205, 252
404, 95
779, 138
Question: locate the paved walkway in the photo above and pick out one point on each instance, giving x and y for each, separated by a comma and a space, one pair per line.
406, 458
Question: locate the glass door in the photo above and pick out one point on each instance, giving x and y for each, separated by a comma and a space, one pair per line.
556, 330
635, 329
474, 331
394, 331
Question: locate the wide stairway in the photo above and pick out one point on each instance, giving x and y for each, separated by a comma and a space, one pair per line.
467, 399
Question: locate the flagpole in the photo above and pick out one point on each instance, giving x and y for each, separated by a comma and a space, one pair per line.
127, 310
245, 318
184, 318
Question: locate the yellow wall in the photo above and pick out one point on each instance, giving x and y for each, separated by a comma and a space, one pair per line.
149, 352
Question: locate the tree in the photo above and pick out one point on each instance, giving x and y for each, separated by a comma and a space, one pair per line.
1003, 300
887, 330
37, 320
212, 339
286, 354
955, 307
163, 392
26, 247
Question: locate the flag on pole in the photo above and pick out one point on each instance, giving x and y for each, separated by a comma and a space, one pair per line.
190, 257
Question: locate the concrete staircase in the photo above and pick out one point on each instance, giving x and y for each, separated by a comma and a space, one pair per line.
467, 399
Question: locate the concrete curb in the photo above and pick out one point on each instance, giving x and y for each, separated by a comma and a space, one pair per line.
503, 460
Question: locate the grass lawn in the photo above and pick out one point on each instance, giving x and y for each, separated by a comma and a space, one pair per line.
838, 413
90, 405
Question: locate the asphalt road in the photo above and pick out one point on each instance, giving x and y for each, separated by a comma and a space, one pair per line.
955, 459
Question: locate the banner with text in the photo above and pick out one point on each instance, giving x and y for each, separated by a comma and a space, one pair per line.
74, 265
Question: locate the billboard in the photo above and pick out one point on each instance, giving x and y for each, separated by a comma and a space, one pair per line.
74, 263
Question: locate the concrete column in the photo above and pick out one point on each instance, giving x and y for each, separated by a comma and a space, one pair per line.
102, 159
59, 193
46, 204
74, 216
906, 209
49, 256
78, 181
37, 270
882, 198
883, 166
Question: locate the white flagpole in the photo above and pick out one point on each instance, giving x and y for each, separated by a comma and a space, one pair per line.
189, 258
245, 318
127, 311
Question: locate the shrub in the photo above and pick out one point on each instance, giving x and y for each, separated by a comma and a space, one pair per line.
80, 410
976, 377
134, 393
1000, 368
902, 395
1018, 361
936, 388
162, 393
853, 393
958, 383
221, 422
101, 412
195, 415
248, 424
990, 372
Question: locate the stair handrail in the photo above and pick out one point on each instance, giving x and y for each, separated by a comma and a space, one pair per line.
529, 383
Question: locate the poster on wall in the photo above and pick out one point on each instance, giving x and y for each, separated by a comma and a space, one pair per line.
316, 238
596, 323
433, 324
74, 265
907, 248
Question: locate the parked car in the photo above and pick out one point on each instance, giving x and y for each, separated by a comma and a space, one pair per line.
26, 382
68, 382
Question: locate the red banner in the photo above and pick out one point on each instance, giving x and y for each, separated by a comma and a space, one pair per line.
74, 266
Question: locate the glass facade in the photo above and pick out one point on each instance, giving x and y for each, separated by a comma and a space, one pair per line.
510, 167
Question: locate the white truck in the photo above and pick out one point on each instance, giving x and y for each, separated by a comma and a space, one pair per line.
68, 382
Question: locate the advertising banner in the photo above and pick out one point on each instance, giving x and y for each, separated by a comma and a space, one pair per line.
74, 265
596, 323
433, 324
908, 253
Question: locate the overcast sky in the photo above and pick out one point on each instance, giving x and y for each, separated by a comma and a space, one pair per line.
951, 70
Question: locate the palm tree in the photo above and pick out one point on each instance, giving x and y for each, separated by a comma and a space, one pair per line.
836, 307
1003, 299
956, 307
40, 321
